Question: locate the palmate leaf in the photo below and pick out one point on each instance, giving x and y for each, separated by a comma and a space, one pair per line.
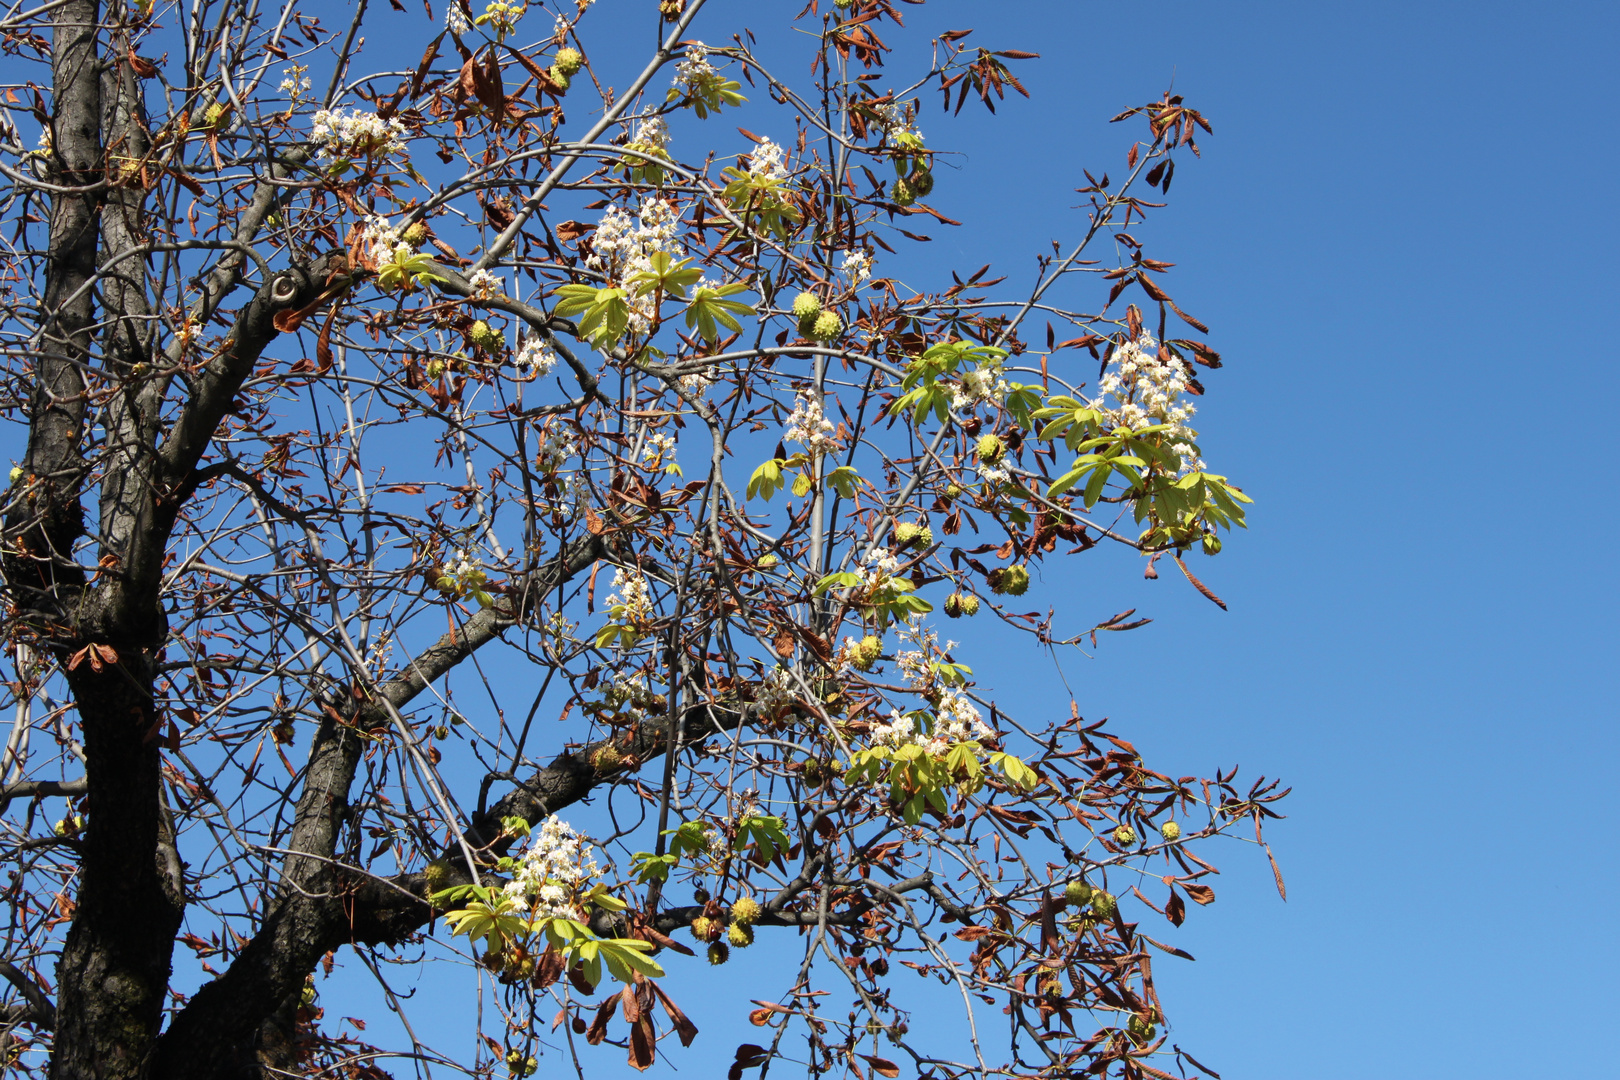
603, 313
709, 310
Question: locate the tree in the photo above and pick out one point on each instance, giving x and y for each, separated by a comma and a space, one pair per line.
375, 421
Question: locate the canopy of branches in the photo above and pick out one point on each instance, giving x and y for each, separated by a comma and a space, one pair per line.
473, 507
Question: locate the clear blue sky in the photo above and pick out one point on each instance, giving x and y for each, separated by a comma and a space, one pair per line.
1403, 236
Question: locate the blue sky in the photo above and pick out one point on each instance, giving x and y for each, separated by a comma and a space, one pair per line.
1401, 234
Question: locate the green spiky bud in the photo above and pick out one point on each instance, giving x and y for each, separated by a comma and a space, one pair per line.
700, 895
807, 305
953, 605
560, 77
991, 449
1077, 893
812, 771
874, 1026
483, 335
909, 533
437, 874
970, 605
719, 952
414, 234
903, 194
868, 651
606, 759
1170, 831
740, 936
215, 111
843, 5
827, 326
1140, 1030
954, 491
705, 928
744, 910
1104, 904
922, 182
1013, 580
1124, 836
568, 61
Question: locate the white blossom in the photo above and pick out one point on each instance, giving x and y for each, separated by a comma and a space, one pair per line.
1147, 385
536, 356
857, 266
455, 20
485, 284
694, 72
359, 134
895, 118
809, 425
631, 599
557, 868
621, 248
384, 242
766, 161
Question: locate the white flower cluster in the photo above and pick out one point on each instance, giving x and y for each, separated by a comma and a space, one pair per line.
1148, 386
694, 73
983, 385
651, 134
384, 242
621, 249
554, 871
359, 134
809, 426
633, 695
857, 266
536, 357
775, 692
557, 445
697, 383
485, 284
766, 161
294, 82
956, 720
896, 118
659, 450
631, 599
455, 20
880, 565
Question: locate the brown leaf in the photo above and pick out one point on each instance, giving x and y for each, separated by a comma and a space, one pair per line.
684, 1028
571, 230
1202, 894
881, 1066
784, 644
1282, 890
1201, 587
593, 522
1176, 909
